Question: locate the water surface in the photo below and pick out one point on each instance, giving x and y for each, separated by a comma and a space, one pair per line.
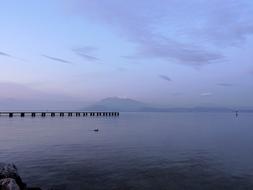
151, 151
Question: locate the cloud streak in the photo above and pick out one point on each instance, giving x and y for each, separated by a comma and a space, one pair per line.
11, 56
5, 54
206, 94
57, 59
225, 84
164, 77
85, 52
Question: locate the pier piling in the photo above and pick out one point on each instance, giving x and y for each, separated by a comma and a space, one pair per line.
60, 114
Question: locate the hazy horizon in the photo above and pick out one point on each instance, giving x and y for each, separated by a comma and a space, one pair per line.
172, 53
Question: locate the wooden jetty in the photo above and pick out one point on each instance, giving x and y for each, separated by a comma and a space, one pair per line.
59, 114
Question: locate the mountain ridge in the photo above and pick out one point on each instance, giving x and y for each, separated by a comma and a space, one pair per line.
130, 105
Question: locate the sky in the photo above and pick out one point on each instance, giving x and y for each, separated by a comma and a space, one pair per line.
175, 53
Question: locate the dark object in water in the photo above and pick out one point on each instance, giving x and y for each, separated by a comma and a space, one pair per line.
96, 130
236, 113
10, 179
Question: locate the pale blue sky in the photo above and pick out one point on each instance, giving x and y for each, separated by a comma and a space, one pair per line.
163, 52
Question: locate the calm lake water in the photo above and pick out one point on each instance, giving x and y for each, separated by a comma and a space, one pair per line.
151, 151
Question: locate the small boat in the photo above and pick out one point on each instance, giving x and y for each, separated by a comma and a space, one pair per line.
96, 130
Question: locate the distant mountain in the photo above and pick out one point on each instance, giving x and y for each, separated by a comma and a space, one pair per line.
194, 109
129, 105
117, 104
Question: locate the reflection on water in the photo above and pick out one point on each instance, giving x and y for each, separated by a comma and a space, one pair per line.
135, 151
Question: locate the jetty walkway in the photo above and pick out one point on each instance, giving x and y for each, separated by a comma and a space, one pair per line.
59, 114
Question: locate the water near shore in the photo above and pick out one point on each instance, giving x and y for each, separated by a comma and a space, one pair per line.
150, 151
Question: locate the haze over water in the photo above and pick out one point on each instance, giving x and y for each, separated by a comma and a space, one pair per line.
128, 56
174, 151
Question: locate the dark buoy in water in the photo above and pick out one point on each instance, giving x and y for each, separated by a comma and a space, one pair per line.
236, 113
96, 130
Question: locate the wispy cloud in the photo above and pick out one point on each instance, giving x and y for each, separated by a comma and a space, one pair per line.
174, 51
11, 56
85, 52
206, 94
229, 23
121, 69
177, 94
57, 59
161, 31
130, 57
5, 54
225, 84
164, 77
